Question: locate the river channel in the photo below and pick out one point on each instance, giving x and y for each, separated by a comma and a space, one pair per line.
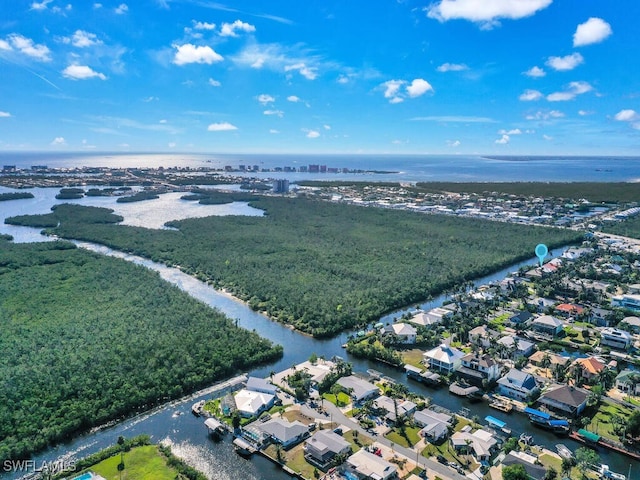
174, 423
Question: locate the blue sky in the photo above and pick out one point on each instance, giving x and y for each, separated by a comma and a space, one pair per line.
334, 76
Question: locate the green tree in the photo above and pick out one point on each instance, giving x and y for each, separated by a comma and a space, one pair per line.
514, 472
585, 458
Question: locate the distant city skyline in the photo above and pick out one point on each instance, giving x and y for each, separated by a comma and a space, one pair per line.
506, 77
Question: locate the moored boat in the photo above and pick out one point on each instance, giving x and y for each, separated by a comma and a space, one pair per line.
608, 474
564, 451
196, 408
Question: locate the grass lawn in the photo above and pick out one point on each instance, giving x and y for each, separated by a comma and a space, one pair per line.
551, 461
363, 440
413, 357
141, 463
297, 463
411, 433
341, 400
601, 422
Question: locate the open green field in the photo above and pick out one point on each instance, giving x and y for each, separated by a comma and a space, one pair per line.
319, 266
88, 338
141, 463
628, 228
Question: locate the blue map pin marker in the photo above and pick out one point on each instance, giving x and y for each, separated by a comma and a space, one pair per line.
541, 252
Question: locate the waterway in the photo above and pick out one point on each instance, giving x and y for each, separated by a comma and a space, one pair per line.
188, 436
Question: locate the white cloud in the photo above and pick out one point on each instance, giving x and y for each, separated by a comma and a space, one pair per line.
58, 141
40, 5
27, 47
163, 121
150, 99
485, 12
568, 62
203, 25
548, 138
545, 115
310, 73
343, 79
418, 87
454, 119
452, 67
82, 39
82, 72
274, 131
4, 114
293, 98
230, 29
312, 133
535, 72
97, 6
503, 140
189, 53
391, 89
214, 83
573, 90
530, 95
121, 9
515, 131
278, 113
326, 127
584, 113
594, 30
171, 144
265, 98
221, 127
453, 143
627, 115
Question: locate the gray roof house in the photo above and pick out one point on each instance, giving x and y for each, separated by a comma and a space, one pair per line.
363, 465
321, 449
518, 385
435, 426
284, 432
256, 384
566, 399
518, 346
547, 324
405, 407
359, 389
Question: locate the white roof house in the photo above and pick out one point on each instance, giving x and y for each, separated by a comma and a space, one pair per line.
256, 384
613, 337
432, 317
405, 332
250, 403
367, 465
285, 432
360, 389
481, 443
443, 358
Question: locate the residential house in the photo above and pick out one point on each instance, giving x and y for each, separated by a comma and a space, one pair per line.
476, 369
517, 347
322, 449
359, 389
386, 405
365, 465
588, 368
534, 470
537, 359
261, 385
432, 317
633, 324
250, 403
630, 301
284, 432
599, 317
443, 359
565, 399
615, 338
483, 336
547, 324
481, 443
628, 381
518, 385
520, 318
567, 310
435, 425
405, 333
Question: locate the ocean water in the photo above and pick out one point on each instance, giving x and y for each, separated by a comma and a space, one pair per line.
405, 168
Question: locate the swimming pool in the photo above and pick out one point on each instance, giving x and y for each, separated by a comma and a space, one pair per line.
84, 476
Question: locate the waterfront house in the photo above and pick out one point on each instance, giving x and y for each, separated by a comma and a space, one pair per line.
599, 317
588, 368
405, 333
483, 336
566, 399
481, 443
322, 449
365, 465
432, 317
628, 381
443, 359
284, 432
567, 310
261, 385
547, 325
518, 385
386, 405
534, 470
615, 338
517, 347
250, 403
632, 323
476, 368
520, 318
435, 425
630, 301
359, 389
538, 359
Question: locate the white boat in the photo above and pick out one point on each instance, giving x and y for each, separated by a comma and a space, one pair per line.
606, 473
564, 452
196, 408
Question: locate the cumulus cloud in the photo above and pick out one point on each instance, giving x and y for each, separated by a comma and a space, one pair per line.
503, 140
121, 9
545, 115
515, 131
4, 114
231, 29
327, 127
568, 62
274, 131
82, 39
487, 13
453, 143
221, 127
97, 6
572, 91
278, 113
214, 83
293, 98
535, 72
40, 5
530, 95
594, 30
627, 115
265, 98
312, 133
82, 72
418, 87
58, 141
26, 46
310, 73
203, 25
452, 67
548, 138
189, 53
391, 88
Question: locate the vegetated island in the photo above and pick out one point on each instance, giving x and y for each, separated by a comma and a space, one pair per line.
14, 196
139, 197
72, 193
319, 266
87, 339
